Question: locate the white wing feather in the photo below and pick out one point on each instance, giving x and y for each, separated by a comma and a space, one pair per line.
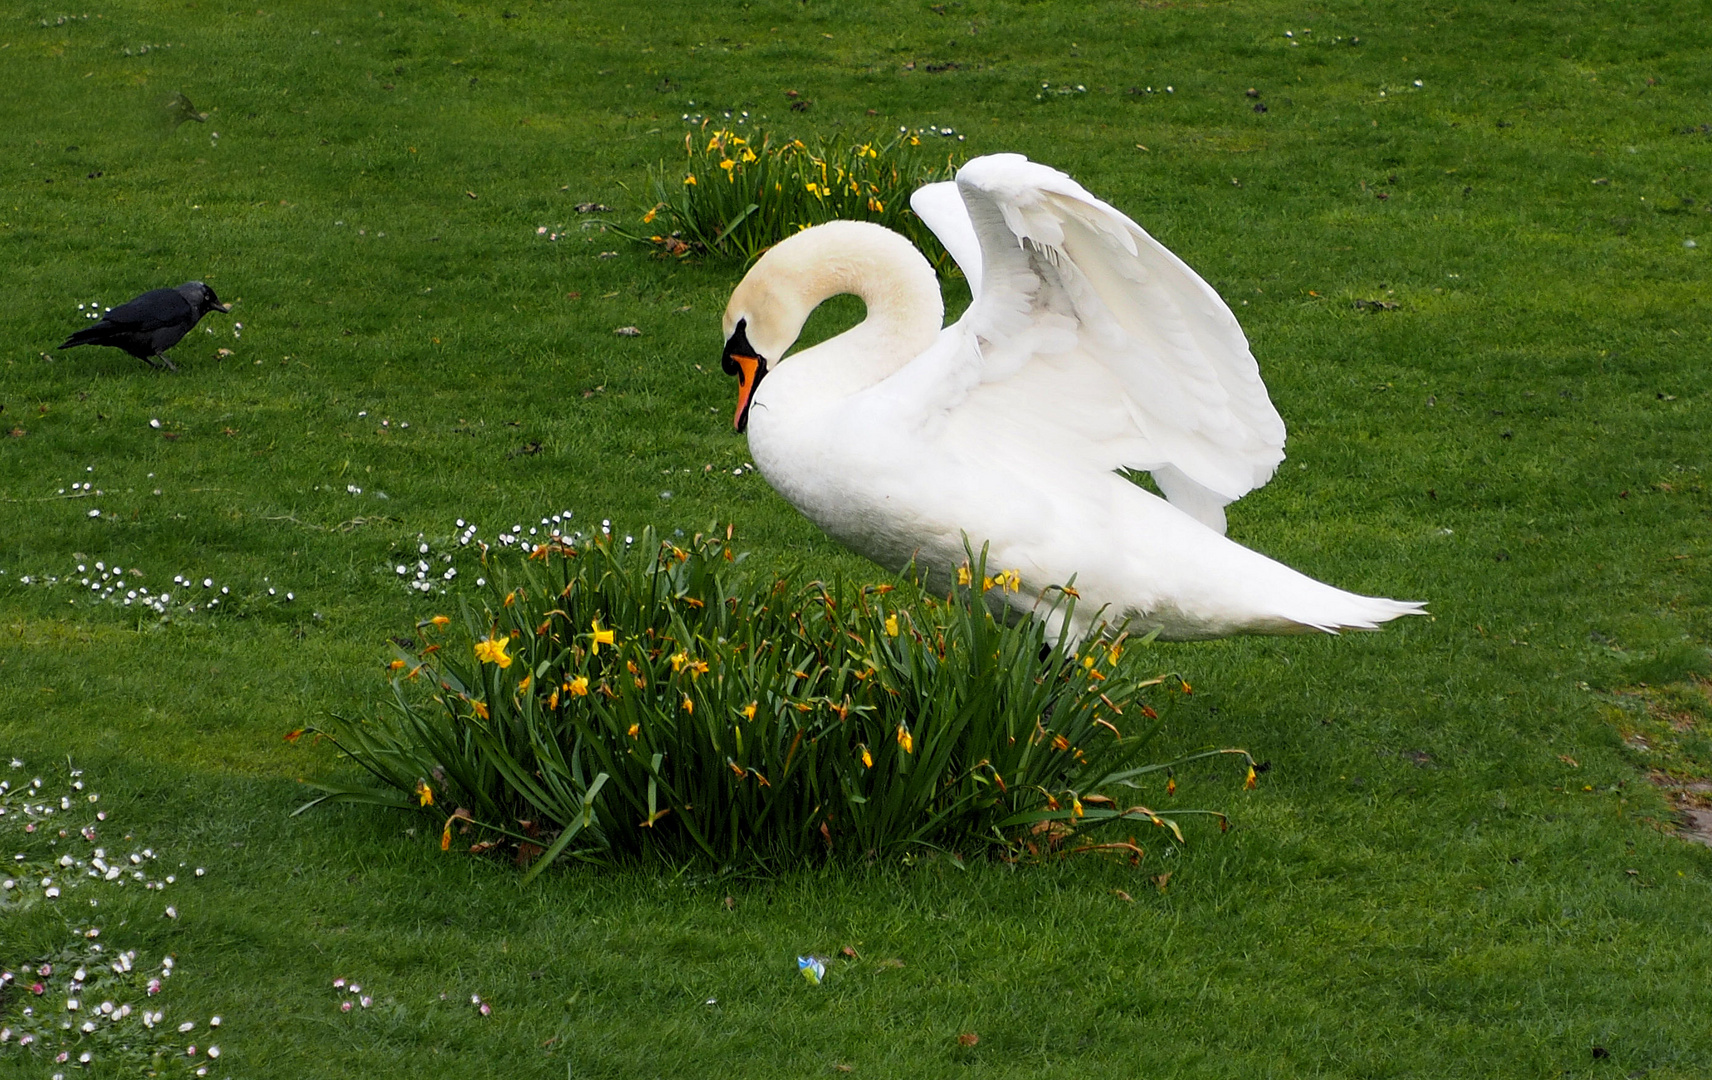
940, 207
1099, 342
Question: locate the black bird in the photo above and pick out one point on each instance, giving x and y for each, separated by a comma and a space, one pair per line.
152, 323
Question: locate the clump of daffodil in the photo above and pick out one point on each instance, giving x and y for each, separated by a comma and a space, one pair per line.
665, 699
775, 187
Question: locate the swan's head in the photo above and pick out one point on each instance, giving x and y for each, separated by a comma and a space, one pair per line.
766, 313
773, 301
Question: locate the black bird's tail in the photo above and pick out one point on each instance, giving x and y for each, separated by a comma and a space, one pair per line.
88, 336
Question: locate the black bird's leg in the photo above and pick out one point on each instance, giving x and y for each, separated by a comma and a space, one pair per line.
163, 362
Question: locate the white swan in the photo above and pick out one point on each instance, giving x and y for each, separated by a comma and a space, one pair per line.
1088, 348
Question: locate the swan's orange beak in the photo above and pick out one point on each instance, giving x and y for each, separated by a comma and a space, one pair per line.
750, 367
749, 370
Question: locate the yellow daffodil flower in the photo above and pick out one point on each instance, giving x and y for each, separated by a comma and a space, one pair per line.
690, 180
1059, 742
1248, 784
876, 205
492, 651
601, 637
395, 665
441, 621
578, 686
728, 165
689, 706
1076, 806
749, 711
679, 660
650, 215
480, 708
553, 700
1010, 579
446, 836
891, 626
963, 577
867, 758
1170, 785
906, 740
698, 667
524, 685
635, 730
424, 793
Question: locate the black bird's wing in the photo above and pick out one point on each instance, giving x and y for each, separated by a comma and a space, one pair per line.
154, 310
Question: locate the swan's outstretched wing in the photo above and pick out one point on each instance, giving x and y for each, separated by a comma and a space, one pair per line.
940, 207
1093, 340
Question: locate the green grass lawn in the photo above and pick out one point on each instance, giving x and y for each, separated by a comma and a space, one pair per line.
1460, 862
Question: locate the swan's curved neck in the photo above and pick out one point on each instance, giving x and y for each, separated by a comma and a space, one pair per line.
899, 287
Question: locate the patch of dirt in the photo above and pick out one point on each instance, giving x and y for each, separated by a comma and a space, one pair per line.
1692, 800
1697, 826
1665, 730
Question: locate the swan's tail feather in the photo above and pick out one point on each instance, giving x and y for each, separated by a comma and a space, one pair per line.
1360, 613
1282, 600
1306, 605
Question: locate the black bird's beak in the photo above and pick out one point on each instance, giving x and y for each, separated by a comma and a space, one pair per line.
750, 367
223, 308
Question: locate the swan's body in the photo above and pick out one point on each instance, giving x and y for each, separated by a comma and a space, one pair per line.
1088, 348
